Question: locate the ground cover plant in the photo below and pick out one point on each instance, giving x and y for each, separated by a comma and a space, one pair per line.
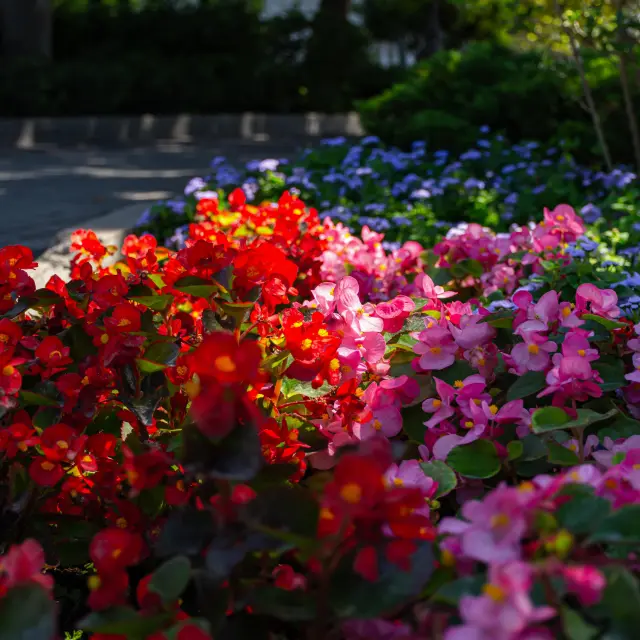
417, 195
285, 430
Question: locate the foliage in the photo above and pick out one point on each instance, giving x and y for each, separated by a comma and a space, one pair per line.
443, 101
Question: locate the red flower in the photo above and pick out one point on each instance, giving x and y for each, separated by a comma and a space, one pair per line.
88, 245
10, 334
222, 359
10, 378
17, 437
147, 599
237, 198
108, 590
109, 290
366, 563
17, 257
124, 319
112, 550
286, 578
59, 442
45, 473
52, 353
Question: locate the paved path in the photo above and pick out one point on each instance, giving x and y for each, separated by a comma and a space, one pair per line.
47, 190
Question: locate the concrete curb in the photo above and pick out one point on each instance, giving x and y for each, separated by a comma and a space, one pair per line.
28, 133
111, 229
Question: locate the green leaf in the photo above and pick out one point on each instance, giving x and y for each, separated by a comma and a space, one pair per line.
293, 606
452, 592
586, 418
515, 448
477, 459
157, 303
195, 286
292, 387
620, 601
125, 621
186, 531
280, 360
526, 385
442, 474
171, 579
30, 398
533, 448
605, 322
548, 419
612, 373
622, 526
459, 370
413, 419
352, 596
27, 612
158, 356
576, 627
562, 456
500, 319
582, 513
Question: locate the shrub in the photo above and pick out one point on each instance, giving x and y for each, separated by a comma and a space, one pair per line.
523, 94
284, 429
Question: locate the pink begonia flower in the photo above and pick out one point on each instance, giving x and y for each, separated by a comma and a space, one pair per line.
634, 376
634, 344
571, 378
371, 346
443, 446
586, 582
428, 289
533, 353
601, 302
436, 349
386, 420
614, 450
404, 389
440, 406
351, 364
395, 312
576, 345
546, 309
472, 332
505, 610
589, 445
359, 318
501, 278
323, 296
453, 311
543, 241
564, 222
621, 484
523, 301
507, 414
568, 316
492, 529
409, 473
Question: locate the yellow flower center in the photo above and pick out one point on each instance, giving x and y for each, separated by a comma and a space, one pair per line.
225, 364
435, 350
334, 364
458, 384
48, 466
8, 370
581, 352
94, 583
121, 523
468, 424
398, 482
351, 493
533, 349
494, 409
306, 344
500, 520
437, 403
494, 592
62, 444
4, 338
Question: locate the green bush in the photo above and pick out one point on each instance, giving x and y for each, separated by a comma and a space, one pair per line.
524, 94
216, 59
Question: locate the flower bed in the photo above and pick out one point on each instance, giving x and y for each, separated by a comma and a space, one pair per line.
286, 430
416, 195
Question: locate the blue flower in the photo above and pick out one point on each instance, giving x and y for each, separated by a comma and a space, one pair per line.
590, 212
195, 184
334, 142
499, 305
145, 218
512, 198
371, 140
472, 154
177, 206
420, 194
473, 183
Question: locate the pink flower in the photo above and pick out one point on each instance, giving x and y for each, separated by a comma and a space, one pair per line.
444, 445
428, 289
586, 582
568, 316
441, 405
601, 302
576, 345
395, 312
386, 420
634, 376
504, 610
436, 349
571, 378
23, 563
371, 346
615, 450
403, 388
492, 528
472, 332
564, 222
533, 353
323, 296
409, 473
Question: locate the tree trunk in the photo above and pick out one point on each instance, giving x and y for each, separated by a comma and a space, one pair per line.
588, 95
26, 28
433, 33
